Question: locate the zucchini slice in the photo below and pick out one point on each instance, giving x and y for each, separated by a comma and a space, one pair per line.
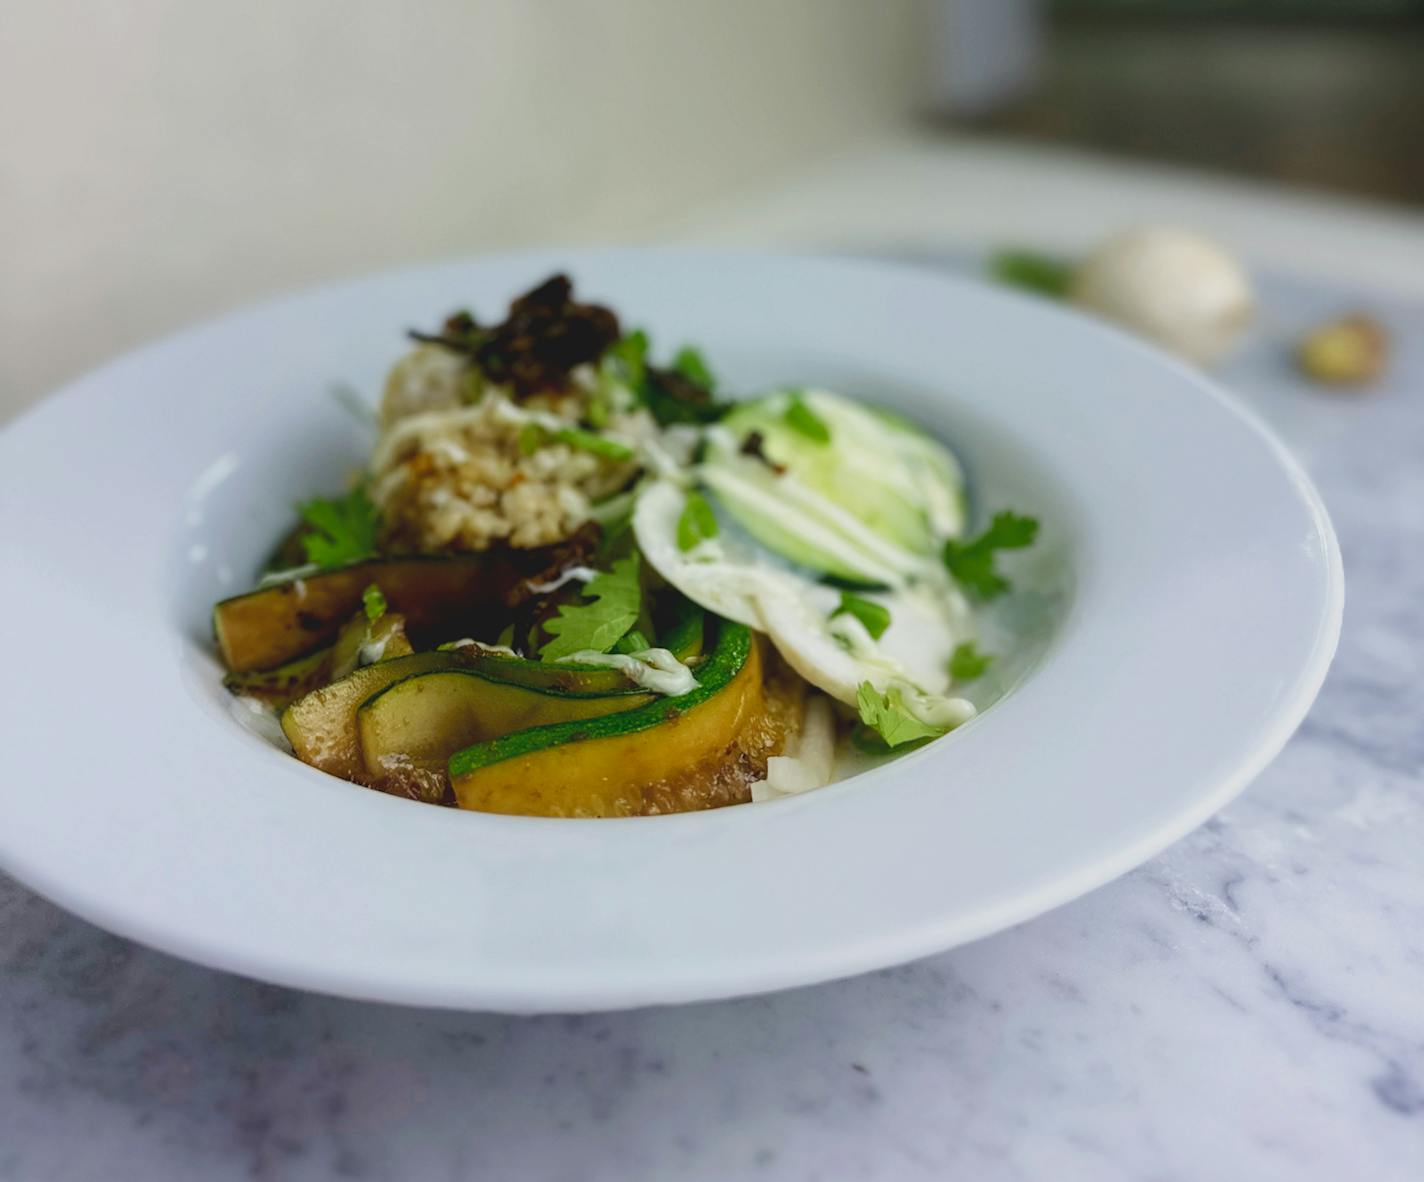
615, 765
421, 720
283, 685
321, 726
274, 625
682, 636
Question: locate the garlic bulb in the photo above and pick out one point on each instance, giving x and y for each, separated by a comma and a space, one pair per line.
1176, 287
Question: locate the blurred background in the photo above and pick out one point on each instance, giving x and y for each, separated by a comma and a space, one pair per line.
165, 161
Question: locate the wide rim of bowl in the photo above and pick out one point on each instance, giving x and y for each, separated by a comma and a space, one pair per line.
866, 844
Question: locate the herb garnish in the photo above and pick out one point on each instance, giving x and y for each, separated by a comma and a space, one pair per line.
967, 662
690, 363
697, 522
887, 715
373, 603
875, 616
615, 600
533, 436
633, 642
341, 531
800, 417
1041, 273
972, 562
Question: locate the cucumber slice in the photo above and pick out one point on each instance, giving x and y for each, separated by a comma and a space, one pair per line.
847, 490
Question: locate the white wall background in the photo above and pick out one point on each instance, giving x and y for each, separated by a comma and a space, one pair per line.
161, 160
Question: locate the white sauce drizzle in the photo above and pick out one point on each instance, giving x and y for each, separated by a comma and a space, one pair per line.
293, 574
373, 650
654, 669
498, 649
574, 574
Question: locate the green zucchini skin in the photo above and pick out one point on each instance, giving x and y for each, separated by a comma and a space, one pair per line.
421, 719
731, 646
683, 637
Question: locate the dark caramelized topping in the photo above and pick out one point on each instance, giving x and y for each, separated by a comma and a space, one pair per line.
545, 337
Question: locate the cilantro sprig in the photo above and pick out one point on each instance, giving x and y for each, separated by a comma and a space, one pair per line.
888, 716
1032, 271
341, 531
697, 522
874, 616
614, 602
967, 662
800, 417
373, 603
627, 358
681, 393
690, 363
972, 563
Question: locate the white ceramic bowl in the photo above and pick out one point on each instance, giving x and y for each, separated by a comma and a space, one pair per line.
1203, 605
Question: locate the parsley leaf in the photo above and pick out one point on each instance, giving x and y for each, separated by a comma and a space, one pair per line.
875, 616
967, 662
889, 717
800, 417
697, 522
615, 601
373, 603
342, 531
693, 366
972, 562
1041, 273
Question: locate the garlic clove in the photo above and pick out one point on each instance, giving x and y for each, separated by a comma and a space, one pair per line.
1173, 286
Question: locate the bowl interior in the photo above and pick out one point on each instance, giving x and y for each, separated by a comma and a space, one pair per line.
242, 499
1184, 603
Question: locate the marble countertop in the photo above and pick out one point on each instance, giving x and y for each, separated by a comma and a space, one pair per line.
1248, 1006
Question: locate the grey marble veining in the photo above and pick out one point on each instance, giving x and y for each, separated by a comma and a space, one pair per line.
1250, 1005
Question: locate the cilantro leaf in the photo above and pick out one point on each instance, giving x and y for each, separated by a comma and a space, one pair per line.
800, 417
620, 377
615, 601
341, 531
967, 662
627, 358
972, 562
373, 603
693, 366
697, 522
875, 616
1041, 273
889, 717
864, 739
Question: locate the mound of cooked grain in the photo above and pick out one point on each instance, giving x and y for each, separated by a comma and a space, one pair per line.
458, 479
